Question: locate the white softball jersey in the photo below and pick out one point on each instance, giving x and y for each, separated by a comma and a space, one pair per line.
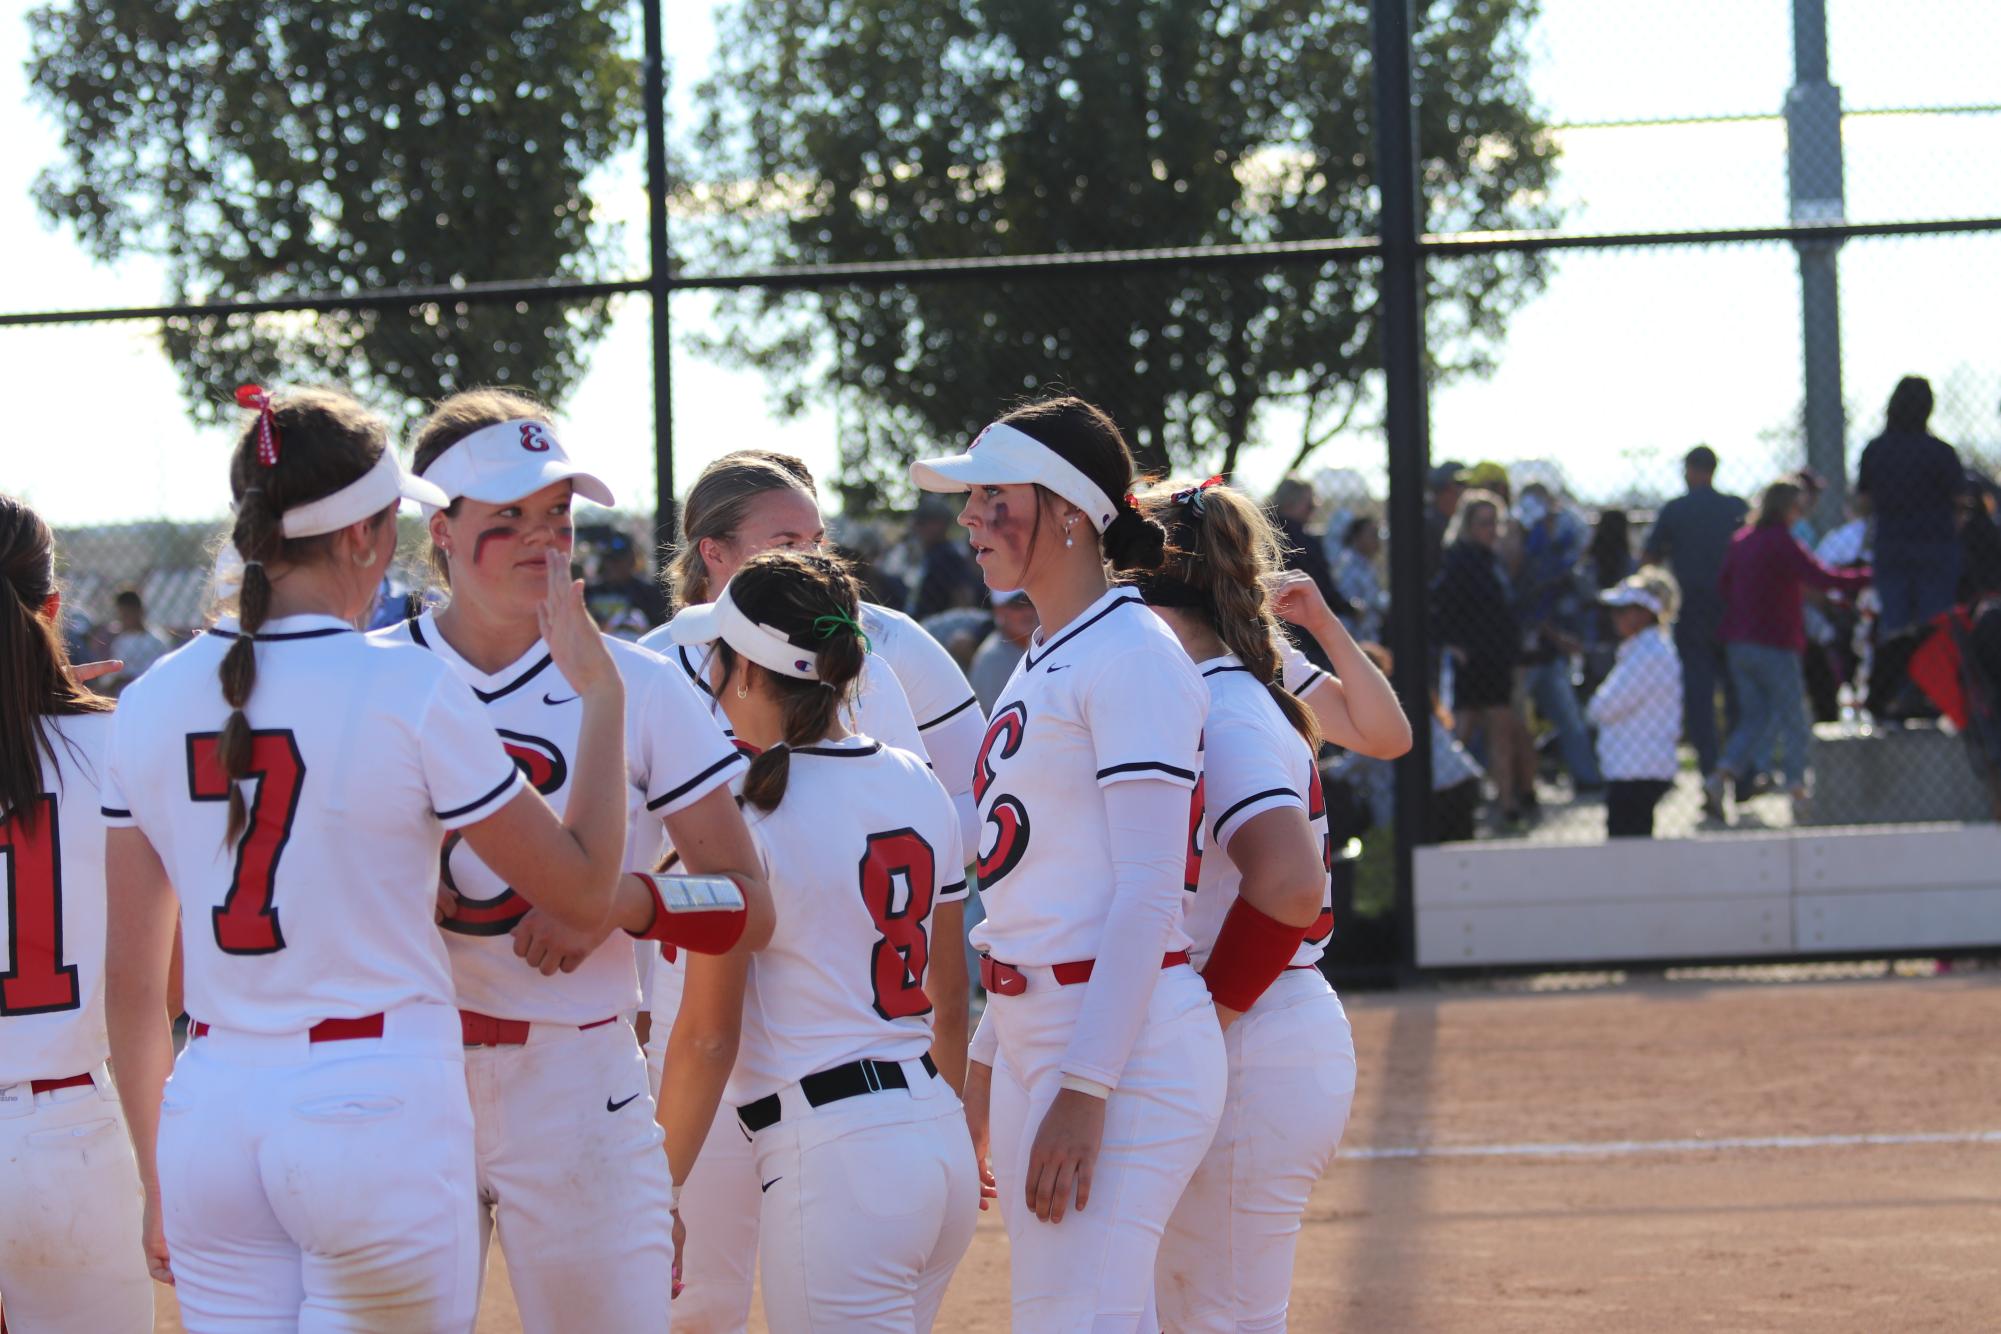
674, 756
880, 708
948, 714
1298, 673
861, 850
1253, 761
366, 754
52, 931
1111, 698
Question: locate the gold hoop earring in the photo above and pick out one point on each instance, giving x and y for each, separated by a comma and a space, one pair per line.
743, 690
364, 563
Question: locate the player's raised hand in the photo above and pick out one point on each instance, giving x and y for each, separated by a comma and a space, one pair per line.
90, 671
543, 942
1296, 598
1065, 1154
572, 636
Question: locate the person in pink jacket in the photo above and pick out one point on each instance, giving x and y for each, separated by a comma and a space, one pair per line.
1764, 634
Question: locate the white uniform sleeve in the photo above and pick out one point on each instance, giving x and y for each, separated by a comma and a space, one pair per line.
117, 811
953, 745
882, 710
685, 753
1297, 672
1145, 717
952, 886
468, 773
1243, 777
948, 714
1148, 820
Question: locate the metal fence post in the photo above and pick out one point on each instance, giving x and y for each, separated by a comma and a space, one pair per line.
1815, 180
664, 525
1407, 431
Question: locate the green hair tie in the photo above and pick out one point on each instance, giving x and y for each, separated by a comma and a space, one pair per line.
827, 626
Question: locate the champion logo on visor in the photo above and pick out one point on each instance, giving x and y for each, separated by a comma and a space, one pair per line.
534, 438
803, 665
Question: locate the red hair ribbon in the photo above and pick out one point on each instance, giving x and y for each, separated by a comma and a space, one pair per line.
252, 396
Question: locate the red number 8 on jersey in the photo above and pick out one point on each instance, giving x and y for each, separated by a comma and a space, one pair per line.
897, 966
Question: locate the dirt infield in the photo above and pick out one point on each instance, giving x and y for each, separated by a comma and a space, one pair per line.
1529, 1222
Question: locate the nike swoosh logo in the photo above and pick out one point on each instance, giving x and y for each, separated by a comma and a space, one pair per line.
1059, 667
551, 699
611, 1106
769, 1184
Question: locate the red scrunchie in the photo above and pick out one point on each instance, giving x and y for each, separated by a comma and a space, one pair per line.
252, 396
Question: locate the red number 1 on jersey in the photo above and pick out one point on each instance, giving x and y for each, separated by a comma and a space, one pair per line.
904, 953
37, 981
247, 921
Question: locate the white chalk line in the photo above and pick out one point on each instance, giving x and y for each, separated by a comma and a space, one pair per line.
1633, 1147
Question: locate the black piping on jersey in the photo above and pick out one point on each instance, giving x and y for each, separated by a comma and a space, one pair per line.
1229, 667
1030, 661
113, 813
694, 672
950, 889
1252, 800
486, 696
850, 753
954, 712
1147, 766
513, 776
320, 633
1312, 681
714, 769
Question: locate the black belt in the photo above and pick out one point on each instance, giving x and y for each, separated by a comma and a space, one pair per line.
843, 1081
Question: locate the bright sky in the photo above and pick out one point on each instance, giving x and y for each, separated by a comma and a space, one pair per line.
1624, 362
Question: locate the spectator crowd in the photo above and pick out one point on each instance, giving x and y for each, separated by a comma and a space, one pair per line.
1579, 656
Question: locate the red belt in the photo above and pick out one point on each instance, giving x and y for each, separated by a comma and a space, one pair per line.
327, 1030
1004, 979
483, 1030
51, 1085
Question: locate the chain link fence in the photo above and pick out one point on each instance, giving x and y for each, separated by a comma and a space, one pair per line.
1688, 539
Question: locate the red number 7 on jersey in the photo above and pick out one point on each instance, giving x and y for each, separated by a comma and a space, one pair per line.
247, 921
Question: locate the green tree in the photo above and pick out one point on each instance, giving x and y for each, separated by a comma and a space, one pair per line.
296, 146
859, 130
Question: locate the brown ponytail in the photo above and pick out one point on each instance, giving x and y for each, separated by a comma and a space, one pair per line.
325, 441
814, 601
35, 681
715, 507
1224, 551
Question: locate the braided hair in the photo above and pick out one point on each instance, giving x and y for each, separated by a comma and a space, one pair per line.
326, 440
814, 601
1223, 552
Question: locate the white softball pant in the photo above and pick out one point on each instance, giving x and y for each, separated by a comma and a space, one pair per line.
1092, 1273
1226, 1263
572, 1175
322, 1186
719, 1201
868, 1205
70, 1210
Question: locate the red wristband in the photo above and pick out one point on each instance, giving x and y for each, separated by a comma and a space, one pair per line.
1250, 952
713, 932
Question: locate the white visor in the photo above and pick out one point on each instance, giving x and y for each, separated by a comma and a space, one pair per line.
1004, 456
369, 494
722, 619
1630, 595
509, 461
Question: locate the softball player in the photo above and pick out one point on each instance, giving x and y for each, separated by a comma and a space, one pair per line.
1260, 920
291, 781
866, 1172
743, 504
66, 1168
1099, 1043
557, 1082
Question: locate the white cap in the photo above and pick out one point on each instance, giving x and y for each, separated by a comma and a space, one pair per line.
1629, 593
508, 461
1001, 455
706, 622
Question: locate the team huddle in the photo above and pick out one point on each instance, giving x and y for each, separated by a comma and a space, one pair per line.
647, 961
